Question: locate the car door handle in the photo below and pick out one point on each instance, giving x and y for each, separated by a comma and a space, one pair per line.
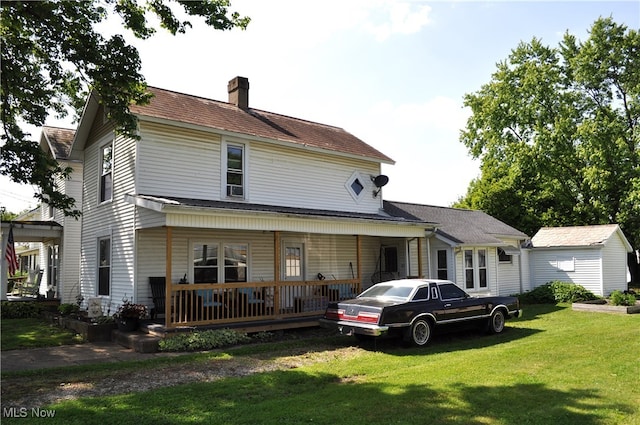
447, 305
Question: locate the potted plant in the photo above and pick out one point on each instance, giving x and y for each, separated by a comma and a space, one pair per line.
129, 314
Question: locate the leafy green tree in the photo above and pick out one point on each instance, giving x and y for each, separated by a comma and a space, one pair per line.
52, 56
558, 135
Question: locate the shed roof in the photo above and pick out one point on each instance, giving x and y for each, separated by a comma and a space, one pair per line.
464, 227
577, 236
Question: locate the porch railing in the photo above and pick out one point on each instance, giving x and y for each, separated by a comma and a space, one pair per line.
219, 303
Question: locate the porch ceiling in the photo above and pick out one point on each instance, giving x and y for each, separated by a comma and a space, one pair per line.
33, 231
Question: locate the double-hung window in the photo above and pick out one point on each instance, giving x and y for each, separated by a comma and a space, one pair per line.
235, 170
104, 266
475, 268
106, 173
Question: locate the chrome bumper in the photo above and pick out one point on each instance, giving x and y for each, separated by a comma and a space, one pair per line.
352, 328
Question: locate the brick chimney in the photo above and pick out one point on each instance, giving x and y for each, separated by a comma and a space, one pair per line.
238, 89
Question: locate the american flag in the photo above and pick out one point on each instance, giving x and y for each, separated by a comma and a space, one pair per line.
10, 254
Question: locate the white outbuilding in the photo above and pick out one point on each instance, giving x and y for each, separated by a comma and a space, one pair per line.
592, 256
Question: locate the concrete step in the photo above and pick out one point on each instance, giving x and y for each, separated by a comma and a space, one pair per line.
138, 341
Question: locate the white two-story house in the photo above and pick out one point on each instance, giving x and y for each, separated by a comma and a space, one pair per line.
244, 214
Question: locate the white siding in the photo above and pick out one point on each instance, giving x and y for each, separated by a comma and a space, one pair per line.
183, 163
508, 275
69, 272
587, 267
114, 219
614, 265
187, 163
298, 178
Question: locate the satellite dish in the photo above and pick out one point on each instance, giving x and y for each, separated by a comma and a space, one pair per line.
380, 180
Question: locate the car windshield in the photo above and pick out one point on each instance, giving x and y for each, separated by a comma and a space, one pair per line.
390, 291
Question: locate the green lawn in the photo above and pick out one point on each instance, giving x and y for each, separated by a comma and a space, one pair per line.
33, 333
554, 366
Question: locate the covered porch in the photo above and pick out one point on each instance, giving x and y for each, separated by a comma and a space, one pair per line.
26, 231
267, 268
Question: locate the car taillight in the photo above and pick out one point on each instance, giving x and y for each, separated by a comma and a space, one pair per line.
368, 317
334, 313
361, 316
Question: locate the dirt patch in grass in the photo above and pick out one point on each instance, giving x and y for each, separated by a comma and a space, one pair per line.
35, 393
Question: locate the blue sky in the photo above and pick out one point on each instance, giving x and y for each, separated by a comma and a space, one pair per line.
392, 73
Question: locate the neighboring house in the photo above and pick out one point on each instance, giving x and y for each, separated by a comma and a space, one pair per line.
58, 251
478, 252
61, 257
263, 216
29, 252
592, 256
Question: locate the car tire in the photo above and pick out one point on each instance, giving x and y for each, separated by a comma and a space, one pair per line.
420, 333
496, 322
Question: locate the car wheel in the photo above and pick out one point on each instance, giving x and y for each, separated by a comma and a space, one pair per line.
496, 322
420, 332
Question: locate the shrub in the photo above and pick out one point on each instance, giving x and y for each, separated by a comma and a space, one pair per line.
619, 298
20, 310
570, 293
68, 309
203, 340
557, 292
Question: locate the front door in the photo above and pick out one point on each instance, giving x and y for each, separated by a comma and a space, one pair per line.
293, 271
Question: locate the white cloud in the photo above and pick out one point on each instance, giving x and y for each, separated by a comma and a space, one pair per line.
398, 18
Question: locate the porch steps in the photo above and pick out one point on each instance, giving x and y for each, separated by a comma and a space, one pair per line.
160, 331
138, 341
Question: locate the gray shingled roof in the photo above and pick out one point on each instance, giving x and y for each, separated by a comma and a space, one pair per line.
242, 206
573, 236
471, 227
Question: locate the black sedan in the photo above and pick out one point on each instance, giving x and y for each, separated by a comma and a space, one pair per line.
413, 308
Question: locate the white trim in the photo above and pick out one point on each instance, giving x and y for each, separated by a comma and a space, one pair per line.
286, 243
97, 288
358, 197
102, 143
220, 244
244, 145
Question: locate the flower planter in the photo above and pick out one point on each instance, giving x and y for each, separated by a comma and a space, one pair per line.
127, 325
91, 332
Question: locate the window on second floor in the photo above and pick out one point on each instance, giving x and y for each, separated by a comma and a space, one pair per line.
235, 171
106, 173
